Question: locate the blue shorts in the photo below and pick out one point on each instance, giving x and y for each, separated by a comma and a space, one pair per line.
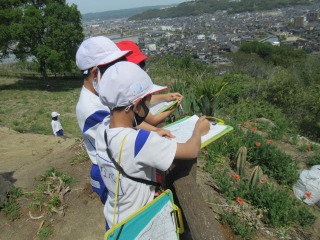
60, 133
97, 183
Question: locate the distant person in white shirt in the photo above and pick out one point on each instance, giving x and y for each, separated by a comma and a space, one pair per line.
126, 89
56, 124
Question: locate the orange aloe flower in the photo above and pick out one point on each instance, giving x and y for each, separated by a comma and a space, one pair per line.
263, 180
269, 141
239, 200
254, 129
258, 144
236, 177
249, 123
307, 195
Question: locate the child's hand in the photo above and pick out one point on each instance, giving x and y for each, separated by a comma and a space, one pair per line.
203, 125
173, 96
164, 133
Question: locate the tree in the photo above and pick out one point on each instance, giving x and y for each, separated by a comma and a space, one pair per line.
47, 30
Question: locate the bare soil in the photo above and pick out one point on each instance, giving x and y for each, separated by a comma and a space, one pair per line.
24, 157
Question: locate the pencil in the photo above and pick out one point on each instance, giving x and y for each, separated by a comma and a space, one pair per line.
215, 119
182, 109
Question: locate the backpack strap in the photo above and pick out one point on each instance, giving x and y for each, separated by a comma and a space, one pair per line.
120, 169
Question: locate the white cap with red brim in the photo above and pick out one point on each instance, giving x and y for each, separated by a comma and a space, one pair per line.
124, 83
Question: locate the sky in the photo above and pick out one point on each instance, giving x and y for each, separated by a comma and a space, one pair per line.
91, 6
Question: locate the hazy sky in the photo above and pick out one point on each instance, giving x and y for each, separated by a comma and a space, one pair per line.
89, 6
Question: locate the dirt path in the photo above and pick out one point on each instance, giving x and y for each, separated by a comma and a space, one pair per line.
24, 157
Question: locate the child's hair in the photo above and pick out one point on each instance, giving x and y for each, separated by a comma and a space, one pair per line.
103, 68
86, 73
142, 64
55, 118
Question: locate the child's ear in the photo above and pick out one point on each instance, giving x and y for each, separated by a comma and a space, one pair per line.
136, 106
94, 72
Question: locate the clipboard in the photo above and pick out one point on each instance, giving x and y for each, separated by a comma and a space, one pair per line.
159, 219
160, 107
183, 129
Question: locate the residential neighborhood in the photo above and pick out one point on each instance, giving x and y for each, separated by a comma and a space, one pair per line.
209, 36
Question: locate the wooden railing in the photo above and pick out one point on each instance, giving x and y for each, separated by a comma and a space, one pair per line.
200, 220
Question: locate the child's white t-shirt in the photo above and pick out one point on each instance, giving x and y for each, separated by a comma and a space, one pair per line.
143, 152
56, 126
90, 114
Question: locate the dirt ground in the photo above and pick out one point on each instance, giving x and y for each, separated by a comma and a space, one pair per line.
24, 157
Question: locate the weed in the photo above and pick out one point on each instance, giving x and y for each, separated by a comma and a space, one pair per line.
66, 179
303, 148
48, 192
305, 217
46, 231
16, 123
54, 202
80, 152
239, 226
15, 192
314, 160
12, 209
80, 156
282, 210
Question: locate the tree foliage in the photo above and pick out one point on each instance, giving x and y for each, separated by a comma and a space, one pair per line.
278, 55
47, 30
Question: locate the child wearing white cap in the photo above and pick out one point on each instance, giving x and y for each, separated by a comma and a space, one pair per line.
56, 124
126, 89
94, 55
90, 112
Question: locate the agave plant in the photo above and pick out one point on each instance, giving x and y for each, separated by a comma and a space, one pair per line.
188, 104
206, 91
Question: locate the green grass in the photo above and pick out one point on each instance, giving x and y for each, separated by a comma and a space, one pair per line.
26, 105
46, 231
11, 207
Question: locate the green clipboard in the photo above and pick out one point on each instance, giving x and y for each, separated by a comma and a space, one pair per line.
162, 107
159, 219
183, 129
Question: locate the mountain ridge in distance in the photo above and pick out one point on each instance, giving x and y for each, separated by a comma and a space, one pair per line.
122, 13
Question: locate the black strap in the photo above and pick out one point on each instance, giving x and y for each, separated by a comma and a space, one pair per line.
120, 169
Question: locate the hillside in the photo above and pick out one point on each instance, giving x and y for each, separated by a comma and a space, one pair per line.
195, 8
269, 95
123, 13
25, 157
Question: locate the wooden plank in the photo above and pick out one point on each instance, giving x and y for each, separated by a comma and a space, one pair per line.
200, 219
